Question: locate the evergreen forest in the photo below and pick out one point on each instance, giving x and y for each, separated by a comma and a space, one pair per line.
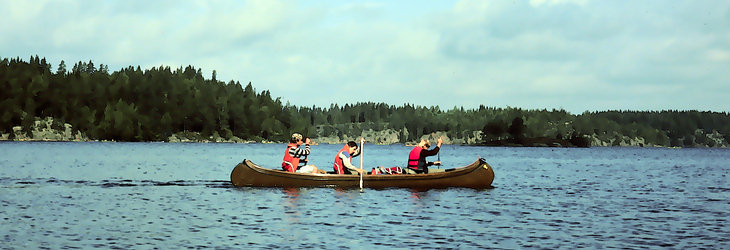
134, 104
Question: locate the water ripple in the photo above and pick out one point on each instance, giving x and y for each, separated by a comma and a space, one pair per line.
178, 196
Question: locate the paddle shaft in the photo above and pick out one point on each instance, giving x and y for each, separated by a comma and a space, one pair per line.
362, 155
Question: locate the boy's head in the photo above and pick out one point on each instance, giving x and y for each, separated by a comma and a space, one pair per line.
424, 144
353, 147
296, 138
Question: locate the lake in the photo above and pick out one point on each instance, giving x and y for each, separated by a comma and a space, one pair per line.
176, 195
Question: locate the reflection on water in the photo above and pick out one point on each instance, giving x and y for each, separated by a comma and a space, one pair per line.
157, 195
291, 205
291, 193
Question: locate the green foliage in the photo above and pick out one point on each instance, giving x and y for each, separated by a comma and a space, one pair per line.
517, 128
135, 105
132, 104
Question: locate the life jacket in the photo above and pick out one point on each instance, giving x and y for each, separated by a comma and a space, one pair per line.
290, 163
414, 156
386, 171
339, 167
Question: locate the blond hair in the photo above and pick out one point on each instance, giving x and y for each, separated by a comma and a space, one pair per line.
425, 142
296, 137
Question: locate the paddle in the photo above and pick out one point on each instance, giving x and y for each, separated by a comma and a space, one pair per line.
362, 155
439, 156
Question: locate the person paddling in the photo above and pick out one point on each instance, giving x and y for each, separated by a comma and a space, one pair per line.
417, 163
293, 155
343, 159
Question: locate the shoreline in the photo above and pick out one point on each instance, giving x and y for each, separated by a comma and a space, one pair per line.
403, 144
46, 130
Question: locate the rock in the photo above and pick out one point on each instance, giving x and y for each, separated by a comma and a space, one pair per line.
43, 130
717, 139
235, 139
328, 140
173, 139
433, 137
388, 136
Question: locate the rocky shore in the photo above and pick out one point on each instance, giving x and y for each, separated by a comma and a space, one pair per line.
49, 130
390, 136
45, 130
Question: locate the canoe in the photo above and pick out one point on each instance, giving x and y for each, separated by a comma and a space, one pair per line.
476, 175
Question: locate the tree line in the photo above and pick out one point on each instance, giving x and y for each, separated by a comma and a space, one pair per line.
132, 104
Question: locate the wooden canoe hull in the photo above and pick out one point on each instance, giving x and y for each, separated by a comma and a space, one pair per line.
476, 175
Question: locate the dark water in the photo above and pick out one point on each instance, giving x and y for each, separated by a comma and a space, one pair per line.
147, 195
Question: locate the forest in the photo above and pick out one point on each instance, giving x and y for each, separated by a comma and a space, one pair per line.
134, 104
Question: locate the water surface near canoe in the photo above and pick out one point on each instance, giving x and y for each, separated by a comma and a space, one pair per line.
144, 195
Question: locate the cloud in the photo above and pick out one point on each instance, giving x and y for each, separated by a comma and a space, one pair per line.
718, 55
538, 3
576, 55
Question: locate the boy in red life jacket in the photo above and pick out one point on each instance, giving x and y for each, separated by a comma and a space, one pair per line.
343, 159
293, 154
417, 158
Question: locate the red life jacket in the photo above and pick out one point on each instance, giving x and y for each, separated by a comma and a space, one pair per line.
339, 167
290, 162
414, 156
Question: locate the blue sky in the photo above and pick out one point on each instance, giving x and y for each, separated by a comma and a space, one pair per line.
576, 55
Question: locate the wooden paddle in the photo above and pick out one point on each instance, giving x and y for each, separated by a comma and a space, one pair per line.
362, 155
439, 156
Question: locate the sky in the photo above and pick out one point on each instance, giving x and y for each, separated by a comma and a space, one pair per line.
577, 55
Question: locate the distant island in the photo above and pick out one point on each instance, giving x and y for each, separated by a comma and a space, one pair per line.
89, 103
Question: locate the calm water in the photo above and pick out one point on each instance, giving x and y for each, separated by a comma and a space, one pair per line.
147, 195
